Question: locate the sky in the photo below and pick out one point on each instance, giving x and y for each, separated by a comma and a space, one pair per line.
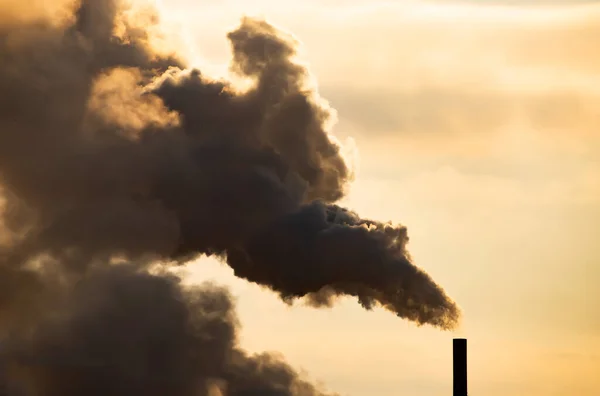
474, 123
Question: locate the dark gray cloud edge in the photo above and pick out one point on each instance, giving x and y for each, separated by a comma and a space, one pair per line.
109, 151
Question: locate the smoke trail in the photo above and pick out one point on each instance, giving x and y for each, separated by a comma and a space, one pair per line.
111, 149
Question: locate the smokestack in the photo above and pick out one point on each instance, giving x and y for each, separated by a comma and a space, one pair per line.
460, 366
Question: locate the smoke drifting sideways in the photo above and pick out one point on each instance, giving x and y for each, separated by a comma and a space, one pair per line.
112, 151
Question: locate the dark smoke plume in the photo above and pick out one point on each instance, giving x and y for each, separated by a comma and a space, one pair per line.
110, 149
124, 332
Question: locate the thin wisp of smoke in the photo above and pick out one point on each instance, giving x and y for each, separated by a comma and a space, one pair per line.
110, 149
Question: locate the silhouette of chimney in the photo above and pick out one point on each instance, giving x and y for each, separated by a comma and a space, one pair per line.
459, 349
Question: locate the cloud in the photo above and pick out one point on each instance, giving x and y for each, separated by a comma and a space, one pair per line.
446, 113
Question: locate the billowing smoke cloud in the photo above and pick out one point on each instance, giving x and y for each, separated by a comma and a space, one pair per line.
123, 332
110, 149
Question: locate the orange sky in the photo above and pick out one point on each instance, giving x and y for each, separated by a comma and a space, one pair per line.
476, 126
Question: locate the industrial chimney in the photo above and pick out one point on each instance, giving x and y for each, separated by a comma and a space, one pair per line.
459, 349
